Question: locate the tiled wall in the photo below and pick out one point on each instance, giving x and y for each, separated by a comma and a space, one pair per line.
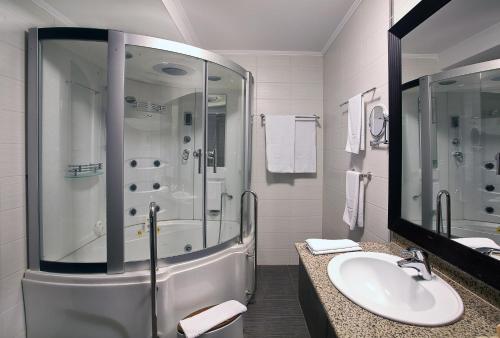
290, 208
15, 18
356, 61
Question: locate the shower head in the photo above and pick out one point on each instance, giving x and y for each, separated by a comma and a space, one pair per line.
172, 69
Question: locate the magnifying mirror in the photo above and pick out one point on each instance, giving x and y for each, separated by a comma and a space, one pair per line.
378, 124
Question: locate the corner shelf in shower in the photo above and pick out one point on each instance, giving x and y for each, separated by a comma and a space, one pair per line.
84, 170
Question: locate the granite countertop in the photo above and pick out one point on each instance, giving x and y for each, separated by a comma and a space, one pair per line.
480, 318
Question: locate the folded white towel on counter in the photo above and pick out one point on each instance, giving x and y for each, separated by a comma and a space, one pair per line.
280, 143
325, 246
199, 324
477, 242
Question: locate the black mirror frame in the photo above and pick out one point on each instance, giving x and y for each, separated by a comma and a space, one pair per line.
476, 264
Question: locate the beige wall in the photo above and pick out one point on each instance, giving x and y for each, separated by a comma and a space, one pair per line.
290, 208
356, 61
15, 19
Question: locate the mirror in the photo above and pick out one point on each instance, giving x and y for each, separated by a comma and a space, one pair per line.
377, 125
450, 120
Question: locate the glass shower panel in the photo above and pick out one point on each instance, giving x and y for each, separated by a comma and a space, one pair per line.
225, 158
466, 128
73, 151
163, 147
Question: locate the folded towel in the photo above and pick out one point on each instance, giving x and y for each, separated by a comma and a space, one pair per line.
354, 200
318, 244
280, 143
477, 242
305, 145
199, 324
324, 252
355, 125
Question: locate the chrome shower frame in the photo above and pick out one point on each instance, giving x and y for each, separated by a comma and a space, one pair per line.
116, 40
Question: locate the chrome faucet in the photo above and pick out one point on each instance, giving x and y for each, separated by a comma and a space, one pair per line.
418, 260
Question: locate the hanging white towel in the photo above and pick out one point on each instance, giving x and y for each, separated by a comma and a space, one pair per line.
354, 203
305, 145
280, 143
355, 125
199, 324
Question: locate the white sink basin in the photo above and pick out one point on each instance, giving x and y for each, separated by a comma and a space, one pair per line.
375, 282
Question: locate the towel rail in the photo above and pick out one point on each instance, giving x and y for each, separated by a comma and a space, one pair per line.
362, 94
368, 175
313, 116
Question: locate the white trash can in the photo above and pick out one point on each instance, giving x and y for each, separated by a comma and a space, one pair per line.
231, 328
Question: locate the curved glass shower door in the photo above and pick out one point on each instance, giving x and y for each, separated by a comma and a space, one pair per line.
163, 151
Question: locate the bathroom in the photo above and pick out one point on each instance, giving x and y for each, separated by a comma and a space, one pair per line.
249, 169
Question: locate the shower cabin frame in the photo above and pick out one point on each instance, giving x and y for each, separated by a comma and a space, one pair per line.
117, 41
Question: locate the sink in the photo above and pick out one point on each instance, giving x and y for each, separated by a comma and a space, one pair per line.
373, 281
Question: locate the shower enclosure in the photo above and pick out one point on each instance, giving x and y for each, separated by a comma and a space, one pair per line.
458, 115
122, 126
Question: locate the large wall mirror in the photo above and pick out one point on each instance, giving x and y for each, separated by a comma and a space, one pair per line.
445, 169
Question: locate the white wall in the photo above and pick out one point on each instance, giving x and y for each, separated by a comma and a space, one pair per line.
290, 207
356, 61
14, 20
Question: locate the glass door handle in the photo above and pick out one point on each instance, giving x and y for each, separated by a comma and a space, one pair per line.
153, 258
497, 158
197, 154
213, 155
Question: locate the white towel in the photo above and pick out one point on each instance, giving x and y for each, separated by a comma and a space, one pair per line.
305, 146
477, 242
355, 125
354, 200
203, 322
325, 252
280, 143
318, 244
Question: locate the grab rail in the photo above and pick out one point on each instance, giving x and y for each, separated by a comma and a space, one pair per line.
256, 215
153, 258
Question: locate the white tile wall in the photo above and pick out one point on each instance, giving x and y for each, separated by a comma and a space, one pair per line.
290, 206
356, 61
15, 18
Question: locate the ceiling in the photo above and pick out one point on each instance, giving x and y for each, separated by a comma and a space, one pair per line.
267, 25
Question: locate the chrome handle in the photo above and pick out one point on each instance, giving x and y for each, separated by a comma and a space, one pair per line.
197, 154
256, 215
213, 155
439, 216
153, 259
497, 158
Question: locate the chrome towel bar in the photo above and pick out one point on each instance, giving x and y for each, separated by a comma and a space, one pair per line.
362, 94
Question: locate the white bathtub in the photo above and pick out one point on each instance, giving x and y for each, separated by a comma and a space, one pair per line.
118, 306
173, 239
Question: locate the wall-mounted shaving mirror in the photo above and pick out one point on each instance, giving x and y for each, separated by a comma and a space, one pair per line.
378, 125
445, 127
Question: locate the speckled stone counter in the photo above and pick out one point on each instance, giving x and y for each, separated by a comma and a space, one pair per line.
350, 320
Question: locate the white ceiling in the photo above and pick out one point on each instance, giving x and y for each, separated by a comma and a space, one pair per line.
288, 25
279, 25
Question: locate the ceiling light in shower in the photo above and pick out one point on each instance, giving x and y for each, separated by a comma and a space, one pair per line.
495, 78
447, 82
214, 78
172, 69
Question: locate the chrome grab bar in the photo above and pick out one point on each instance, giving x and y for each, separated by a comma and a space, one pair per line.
439, 216
256, 215
213, 155
153, 259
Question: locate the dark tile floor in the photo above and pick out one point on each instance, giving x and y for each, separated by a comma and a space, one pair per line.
275, 311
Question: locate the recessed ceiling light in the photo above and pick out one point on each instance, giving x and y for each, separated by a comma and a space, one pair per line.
447, 82
214, 78
172, 69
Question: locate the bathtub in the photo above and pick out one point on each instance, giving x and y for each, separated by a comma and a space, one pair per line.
118, 305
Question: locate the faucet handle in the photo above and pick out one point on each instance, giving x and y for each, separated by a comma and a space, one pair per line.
416, 253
